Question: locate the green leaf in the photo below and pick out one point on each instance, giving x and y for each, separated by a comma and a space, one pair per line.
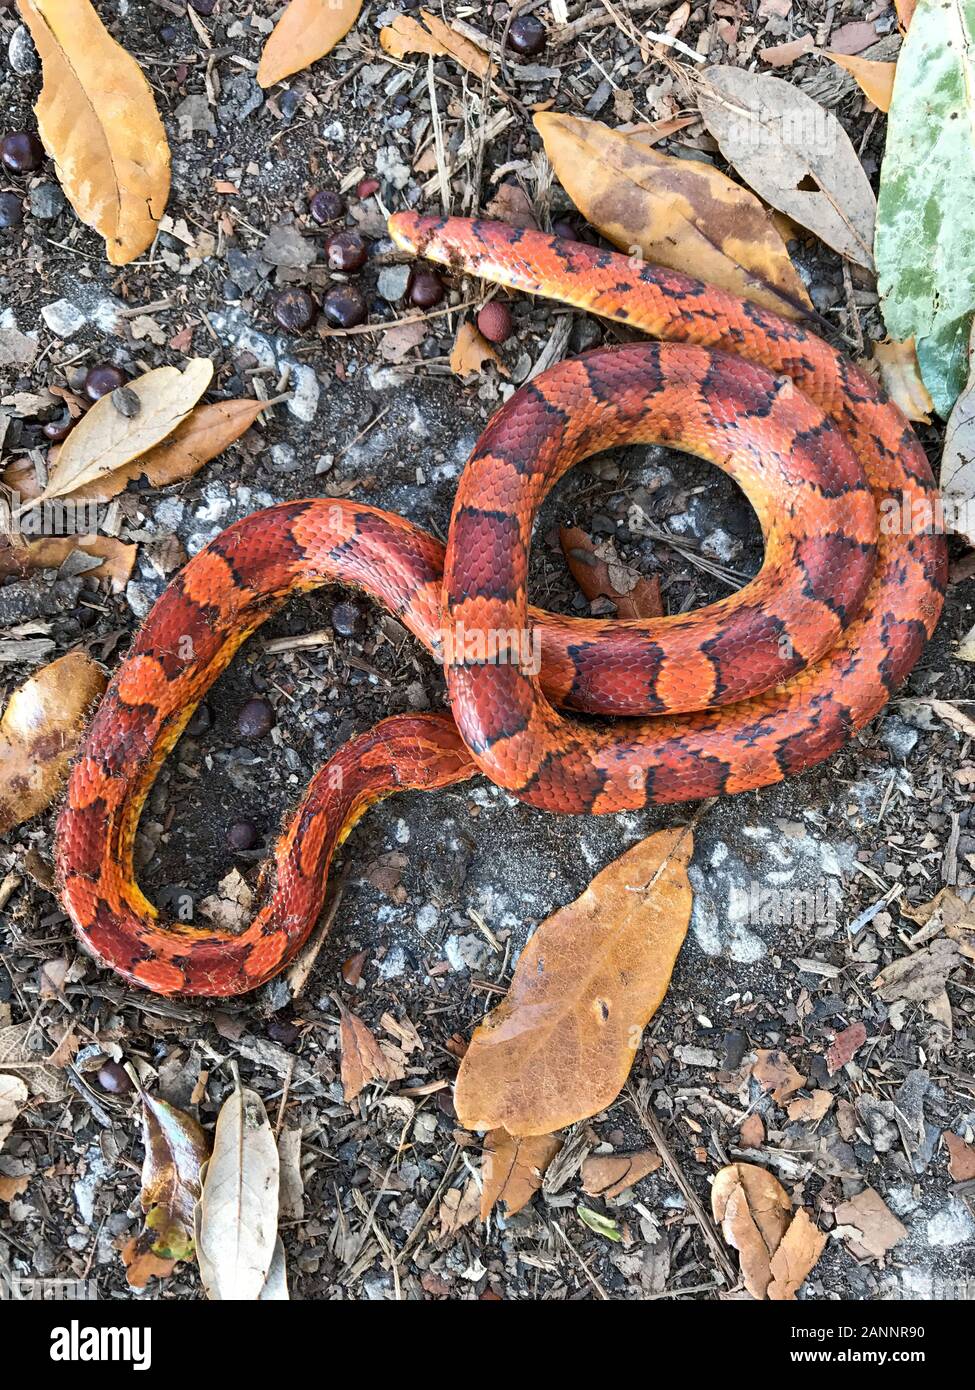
926, 206
602, 1225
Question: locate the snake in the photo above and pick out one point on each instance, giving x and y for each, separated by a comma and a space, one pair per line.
572, 715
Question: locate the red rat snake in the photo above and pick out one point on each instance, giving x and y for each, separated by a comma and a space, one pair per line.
735, 696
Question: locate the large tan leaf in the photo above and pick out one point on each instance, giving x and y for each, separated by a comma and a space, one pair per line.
50, 552
407, 35
776, 1249
237, 1216
559, 1047
98, 121
39, 733
306, 31
512, 1169
107, 439
13, 1098
175, 1150
794, 154
675, 212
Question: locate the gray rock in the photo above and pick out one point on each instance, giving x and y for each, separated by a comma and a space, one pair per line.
467, 952
899, 737
138, 599
21, 53
194, 114
389, 165
393, 964
303, 403
392, 282
283, 458
284, 245
63, 318
46, 201
952, 1225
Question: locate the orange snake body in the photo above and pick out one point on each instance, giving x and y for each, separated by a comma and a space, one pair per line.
733, 697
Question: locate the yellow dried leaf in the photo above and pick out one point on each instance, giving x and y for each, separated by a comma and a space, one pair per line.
106, 439
875, 79
559, 1047
674, 212
39, 733
406, 35
897, 367
513, 1168
306, 31
202, 436
98, 121
471, 350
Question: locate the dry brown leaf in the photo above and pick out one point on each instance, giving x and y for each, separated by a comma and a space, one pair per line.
98, 121
202, 436
845, 1046
13, 1098
752, 1131
774, 1072
406, 35
818, 181
175, 1150
797, 1253
12, 1187
875, 79
106, 439
39, 733
783, 55
607, 1175
599, 579
459, 1207
306, 31
675, 212
512, 1168
875, 1228
812, 1107
905, 13
895, 363
961, 1157
17, 1057
471, 350
117, 558
141, 1264
920, 976
559, 1047
363, 1060
754, 1212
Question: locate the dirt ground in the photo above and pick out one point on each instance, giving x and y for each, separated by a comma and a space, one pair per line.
420, 875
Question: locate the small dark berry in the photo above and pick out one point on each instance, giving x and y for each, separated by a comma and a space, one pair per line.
294, 310
495, 322
365, 188
11, 210
114, 1079
256, 719
85, 617
426, 289
326, 206
102, 380
200, 720
168, 33
346, 251
56, 430
204, 6
347, 619
344, 307
21, 152
243, 834
527, 35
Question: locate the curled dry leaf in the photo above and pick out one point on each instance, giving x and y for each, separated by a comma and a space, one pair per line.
363, 1060
755, 1215
794, 154
116, 559
875, 79
406, 35
961, 1158
599, 577
13, 1098
471, 350
175, 1150
607, 1175
98, 121
106, 439
237, 1216
141, 1264
896, 364
674, 212
306, 31
559, 1047
39, 733
513, 1168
